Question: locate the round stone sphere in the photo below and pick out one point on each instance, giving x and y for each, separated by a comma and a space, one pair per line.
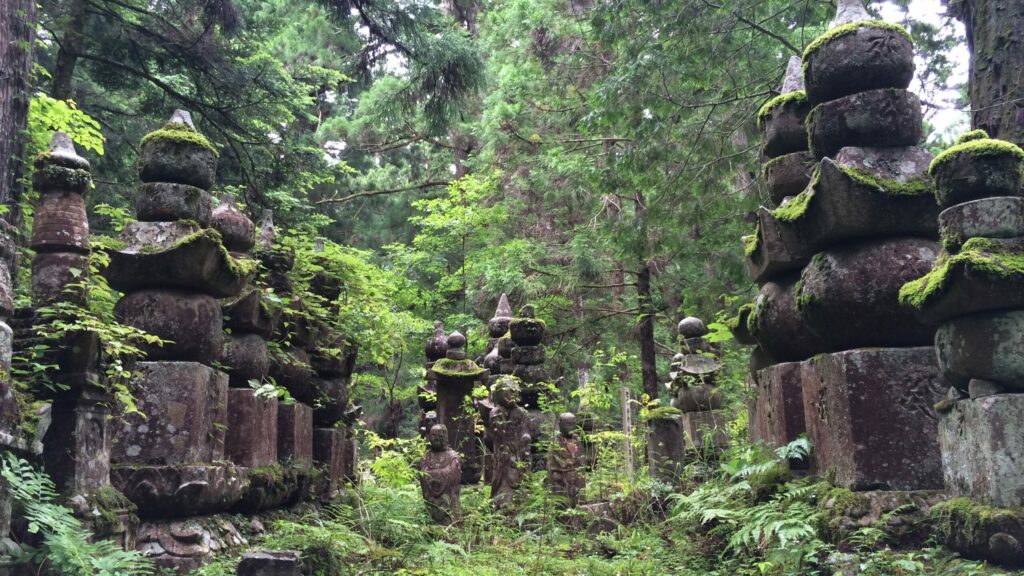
866, 58
456, 340
692, 327
237, 230
192, 321
978, 170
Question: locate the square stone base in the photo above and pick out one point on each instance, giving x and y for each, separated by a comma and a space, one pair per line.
666, 448
251, 439
778, 410
295, 434
329, 454
185, 408
706, 430
870, 418
982, 442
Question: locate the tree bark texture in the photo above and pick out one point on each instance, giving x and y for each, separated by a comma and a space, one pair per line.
72, 44
17, 32
995, 36
648, 357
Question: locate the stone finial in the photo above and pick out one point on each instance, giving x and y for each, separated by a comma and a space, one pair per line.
456, 340
794, 79
504, 310
62, 151
437, 344
692, 327
266, 233
498, 325
182, 117
850, 11
527, 311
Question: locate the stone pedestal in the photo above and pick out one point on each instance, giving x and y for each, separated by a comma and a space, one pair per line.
77, 444
295, 434
182, 403
706, 430
329, 453
666, 448
251, 438
779, 405
270, 564
981, 440
870, 418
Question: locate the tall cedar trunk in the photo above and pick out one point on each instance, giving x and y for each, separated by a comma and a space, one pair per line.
72, 43
995, 36
17, 31
648, 359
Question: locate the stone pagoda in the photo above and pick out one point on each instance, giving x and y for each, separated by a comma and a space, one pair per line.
831, 260
435, 349
528, 354
456, 376
975, 295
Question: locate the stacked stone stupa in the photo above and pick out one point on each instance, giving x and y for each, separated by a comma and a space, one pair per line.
172, 269
498, 354
435, 349
456, 375
528, 354
831, 260
975, 294
251, 436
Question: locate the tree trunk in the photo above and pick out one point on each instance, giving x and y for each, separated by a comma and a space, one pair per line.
17, 29
995, 36
72, 43
648, 357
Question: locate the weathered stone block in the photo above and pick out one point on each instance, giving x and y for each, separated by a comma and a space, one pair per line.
52, 276
270, 564
530, 374
179, 491
331, 402
246, 358
870, 419
706, 430
237, 230
968, 175
788, 174
888, 117
981, 532
778, 248
328, 454
982, 443
277, 486
191, 321
295, 434
184, 405
289, 367
849, 296
169, 202
60, 223
782, 127
77, 444
997, 217
985, 346
528, 355
666, 448
248, 313
176, 255
178, 161
779, 404
867, 58
251, 437
181, 546
698, 399
777, 325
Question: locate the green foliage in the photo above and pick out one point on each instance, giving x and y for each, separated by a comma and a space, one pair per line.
65, 546
179, 133
980, 257
47, 115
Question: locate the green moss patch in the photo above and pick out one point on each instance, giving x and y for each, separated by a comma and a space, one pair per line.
852, 27
740, 319
795, 208
915, 187
964, 520
977, 147
972, 135
457, 368
180, 133
997, 261
751, 242
796, 97
524, 321
663, 413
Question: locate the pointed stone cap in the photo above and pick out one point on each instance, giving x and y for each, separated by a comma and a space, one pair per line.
266, 233
498, 325
182, 117
794, 79
61, 152
850, 11
437, 344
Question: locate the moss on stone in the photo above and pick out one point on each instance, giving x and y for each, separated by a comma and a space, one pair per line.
751, 242
457, 368
796, 97
663, 413
914, 187
54, 175
519, 321
795, 208
976, 147
978, 134
179, 133
996, 261
966, 520
836, 504
850, 28
764, 484
733, 323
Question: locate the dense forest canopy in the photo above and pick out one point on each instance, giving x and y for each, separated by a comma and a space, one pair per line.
596, 159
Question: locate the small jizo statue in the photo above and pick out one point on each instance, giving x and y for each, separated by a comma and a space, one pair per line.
440, 476
565, 461
509, 432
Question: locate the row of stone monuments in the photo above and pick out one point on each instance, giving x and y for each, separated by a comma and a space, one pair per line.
862, 323
206, 438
